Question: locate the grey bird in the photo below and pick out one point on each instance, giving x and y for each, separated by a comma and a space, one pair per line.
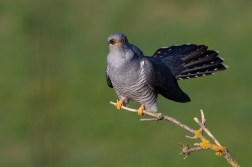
141, 78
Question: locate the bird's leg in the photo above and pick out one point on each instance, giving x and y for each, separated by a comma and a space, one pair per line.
119, 104
140, 110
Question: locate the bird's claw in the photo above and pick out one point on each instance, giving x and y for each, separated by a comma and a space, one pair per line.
140, 110
119, 104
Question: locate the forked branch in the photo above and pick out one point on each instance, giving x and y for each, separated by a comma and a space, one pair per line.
203, 145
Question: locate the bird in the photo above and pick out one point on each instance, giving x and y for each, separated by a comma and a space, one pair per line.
141, 78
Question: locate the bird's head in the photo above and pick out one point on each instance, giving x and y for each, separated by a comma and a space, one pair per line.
116, 40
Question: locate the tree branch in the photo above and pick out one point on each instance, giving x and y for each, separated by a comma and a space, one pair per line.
203, 145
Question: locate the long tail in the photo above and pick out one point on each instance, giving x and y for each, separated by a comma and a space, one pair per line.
191, 61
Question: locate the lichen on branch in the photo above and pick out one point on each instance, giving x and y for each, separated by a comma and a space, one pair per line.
203, 145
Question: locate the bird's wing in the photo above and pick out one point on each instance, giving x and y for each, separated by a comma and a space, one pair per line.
190, 60
160, 79
136, 50
108, 79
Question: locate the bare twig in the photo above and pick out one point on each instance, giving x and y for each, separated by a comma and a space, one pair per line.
207, 131
164, 117
187, 151
198, 134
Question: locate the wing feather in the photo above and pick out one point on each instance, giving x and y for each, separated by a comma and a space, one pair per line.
161, 80
108, 80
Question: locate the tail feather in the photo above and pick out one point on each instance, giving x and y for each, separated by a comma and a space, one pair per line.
206, 56
203, 65
190, 60
201, 72
193, 53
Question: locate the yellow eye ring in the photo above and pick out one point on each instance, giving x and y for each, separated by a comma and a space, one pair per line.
123, 41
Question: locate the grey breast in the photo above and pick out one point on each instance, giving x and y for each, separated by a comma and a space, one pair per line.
138, 91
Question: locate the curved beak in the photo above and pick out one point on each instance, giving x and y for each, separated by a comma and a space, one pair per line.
114, 42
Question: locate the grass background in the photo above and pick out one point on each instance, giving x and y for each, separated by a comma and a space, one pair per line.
54, 99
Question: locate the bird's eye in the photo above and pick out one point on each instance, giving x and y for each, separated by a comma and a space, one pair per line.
123, 41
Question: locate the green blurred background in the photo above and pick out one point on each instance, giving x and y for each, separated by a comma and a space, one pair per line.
54, 99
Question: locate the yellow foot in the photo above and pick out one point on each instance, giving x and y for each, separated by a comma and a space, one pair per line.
140, 110
119, 104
